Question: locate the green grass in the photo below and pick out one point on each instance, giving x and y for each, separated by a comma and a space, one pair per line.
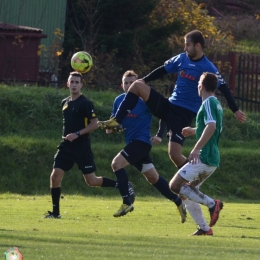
31, 126
88, 230
30, 130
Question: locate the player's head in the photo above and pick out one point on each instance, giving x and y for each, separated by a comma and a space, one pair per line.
76, 74
75, 82
194, 44
208, 82
128, 78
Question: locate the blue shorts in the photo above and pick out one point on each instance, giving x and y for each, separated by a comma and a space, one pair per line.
137, 153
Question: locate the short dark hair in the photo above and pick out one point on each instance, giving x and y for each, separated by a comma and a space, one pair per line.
130, 73
209, 81
196, 36
77, 74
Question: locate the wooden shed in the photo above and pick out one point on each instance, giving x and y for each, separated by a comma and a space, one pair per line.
19, 60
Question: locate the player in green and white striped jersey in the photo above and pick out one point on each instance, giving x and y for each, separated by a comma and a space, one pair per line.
204, 157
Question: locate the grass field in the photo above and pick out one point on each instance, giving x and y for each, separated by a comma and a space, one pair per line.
88, 230
29, 134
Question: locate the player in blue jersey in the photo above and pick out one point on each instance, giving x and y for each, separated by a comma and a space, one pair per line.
136, 152
180, 109
204, 157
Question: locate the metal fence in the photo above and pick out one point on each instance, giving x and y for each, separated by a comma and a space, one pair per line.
242, 74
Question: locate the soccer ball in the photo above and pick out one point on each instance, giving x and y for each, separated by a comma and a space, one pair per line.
81, 62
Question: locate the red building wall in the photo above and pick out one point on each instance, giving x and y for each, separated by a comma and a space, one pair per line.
19, 60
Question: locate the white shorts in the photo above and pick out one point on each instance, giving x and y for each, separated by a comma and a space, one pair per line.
197, 173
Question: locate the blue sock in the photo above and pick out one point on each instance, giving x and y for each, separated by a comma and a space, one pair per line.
128, 104
163, 187
122, 180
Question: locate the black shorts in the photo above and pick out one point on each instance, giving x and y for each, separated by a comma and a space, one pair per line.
176, 117
137, 153
79, 151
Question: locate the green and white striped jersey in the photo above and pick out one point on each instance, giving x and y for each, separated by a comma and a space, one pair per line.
210, 111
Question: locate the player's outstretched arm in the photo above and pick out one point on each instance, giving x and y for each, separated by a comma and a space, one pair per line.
240, 116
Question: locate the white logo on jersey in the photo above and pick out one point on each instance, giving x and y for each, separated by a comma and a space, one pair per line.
221, 80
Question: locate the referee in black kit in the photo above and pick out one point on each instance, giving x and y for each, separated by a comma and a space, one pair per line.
79, 120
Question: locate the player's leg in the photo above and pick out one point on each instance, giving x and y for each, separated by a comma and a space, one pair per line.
86, 163
55, 187
98, 181
85, 160
131, 154
178, 118
62, 163
156, 102
162, 186
185, 181
175, 154
118, 165
146, 167
195, 211
136, 90
191, 173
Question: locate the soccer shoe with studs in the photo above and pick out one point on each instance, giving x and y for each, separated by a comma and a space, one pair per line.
182, 212
214, 212
52, 215
123, 210
201, 232
109, 124
116, 129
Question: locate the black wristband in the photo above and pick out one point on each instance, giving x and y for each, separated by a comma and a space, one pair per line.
78, 133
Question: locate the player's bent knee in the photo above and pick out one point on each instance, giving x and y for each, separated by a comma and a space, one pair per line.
56, 177
173, 187
150, 175
146, 167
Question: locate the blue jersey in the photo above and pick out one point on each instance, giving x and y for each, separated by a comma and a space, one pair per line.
185, 93
137, 124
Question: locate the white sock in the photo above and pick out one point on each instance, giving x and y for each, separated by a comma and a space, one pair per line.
195, 195
196, 213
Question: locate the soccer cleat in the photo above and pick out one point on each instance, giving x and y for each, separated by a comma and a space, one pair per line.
116, 129
123, 210
109, 124
131, 192
52, 215
201, 232
183, 213
214, 212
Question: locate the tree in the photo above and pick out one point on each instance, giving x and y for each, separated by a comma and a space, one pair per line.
191, 16
137, 35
